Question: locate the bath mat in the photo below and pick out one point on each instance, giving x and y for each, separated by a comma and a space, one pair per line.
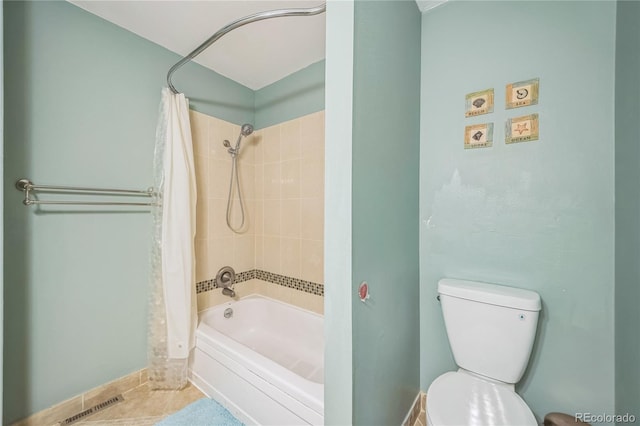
204, 412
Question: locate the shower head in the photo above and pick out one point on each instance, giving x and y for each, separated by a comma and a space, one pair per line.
246, 129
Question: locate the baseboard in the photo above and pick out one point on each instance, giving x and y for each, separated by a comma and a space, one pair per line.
84, 401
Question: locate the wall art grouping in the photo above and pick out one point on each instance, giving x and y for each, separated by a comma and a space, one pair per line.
524, 128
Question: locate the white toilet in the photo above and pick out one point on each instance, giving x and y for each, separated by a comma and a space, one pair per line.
491, 329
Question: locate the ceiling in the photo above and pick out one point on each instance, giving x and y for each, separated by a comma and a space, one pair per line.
255, 55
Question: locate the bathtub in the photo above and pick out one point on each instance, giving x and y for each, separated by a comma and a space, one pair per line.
265, 363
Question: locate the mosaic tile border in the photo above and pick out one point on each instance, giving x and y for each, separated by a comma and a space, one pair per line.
295, 283
211, 284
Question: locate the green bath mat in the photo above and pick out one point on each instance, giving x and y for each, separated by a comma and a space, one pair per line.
204, 412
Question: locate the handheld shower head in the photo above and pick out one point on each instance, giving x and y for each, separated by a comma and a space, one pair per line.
246, 129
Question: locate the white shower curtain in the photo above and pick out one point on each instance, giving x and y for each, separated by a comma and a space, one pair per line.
172, 313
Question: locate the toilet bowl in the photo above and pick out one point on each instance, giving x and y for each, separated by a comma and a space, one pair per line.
460, 398
491, 329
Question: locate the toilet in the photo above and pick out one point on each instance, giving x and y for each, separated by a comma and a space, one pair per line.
491, 330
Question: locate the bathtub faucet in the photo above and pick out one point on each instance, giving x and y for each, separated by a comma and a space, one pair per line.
225, 278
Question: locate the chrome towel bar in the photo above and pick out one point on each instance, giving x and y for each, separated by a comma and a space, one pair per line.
29, 187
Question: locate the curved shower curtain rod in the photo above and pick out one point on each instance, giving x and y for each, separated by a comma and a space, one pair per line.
279, 13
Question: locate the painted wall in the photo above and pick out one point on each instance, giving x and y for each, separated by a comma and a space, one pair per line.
386, 119
84, 98
536, 215
295, 95
1, 196
338, 365
627, 162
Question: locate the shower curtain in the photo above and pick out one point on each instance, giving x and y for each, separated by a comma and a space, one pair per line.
172, 310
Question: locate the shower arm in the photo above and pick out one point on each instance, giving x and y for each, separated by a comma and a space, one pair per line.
260, 16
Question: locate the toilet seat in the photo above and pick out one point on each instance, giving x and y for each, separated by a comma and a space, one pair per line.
460, 398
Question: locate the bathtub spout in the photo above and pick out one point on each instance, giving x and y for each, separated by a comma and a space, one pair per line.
228, 292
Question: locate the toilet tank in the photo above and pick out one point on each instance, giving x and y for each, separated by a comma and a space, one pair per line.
491, 328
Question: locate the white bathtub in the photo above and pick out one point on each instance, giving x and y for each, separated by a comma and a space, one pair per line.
265, 363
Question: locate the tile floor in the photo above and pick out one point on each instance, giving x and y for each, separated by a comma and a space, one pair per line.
143, 407
421, 419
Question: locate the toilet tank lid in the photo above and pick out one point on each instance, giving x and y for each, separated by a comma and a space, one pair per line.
493, 294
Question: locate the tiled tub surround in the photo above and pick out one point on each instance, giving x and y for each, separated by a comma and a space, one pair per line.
301, 299
290, 198
282, 178
295, 283
216, 244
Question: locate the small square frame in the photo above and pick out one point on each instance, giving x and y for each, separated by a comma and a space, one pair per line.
522, 129
478, 136
522, 93
479, 103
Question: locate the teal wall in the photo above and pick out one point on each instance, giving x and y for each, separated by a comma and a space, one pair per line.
338, 364
1, 195
537, 215
84, 98
386, 120
627, 161
295, 95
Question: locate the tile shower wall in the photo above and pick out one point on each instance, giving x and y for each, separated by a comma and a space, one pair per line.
289, 198
282, 179
216, 244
